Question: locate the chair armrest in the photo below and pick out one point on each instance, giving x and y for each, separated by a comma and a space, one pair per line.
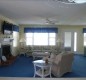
56, 63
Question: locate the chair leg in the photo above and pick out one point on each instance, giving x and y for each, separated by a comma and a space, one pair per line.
34, 75
50, 75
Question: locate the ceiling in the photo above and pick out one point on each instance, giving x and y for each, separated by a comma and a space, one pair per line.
40, 11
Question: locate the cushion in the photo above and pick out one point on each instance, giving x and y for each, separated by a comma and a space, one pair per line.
4, 58
52, 56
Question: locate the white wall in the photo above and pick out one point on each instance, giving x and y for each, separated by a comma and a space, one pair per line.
79, 30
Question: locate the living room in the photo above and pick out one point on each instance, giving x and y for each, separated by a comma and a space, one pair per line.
42, 29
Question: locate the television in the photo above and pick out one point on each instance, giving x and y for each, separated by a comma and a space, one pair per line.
7, 28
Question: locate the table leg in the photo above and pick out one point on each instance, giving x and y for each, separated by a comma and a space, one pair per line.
42, 72
34, 75
50, 71
34, 70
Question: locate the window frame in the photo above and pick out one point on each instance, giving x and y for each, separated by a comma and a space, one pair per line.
47, 40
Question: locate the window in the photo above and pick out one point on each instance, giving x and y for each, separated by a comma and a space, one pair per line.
75, 41
67, 39
52, 38
29, 38
84, 39
40, 38
15, 37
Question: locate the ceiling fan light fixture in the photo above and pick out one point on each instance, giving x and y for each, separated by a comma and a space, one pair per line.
48, 21
80, 1
73, 1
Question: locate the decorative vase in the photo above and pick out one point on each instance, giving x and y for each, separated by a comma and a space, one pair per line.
46, 61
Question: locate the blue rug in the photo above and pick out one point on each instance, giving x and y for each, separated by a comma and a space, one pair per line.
23, 67
78, 68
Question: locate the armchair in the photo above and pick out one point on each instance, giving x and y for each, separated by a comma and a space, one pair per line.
62, 64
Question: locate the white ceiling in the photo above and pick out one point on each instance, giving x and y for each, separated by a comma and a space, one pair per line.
37, 11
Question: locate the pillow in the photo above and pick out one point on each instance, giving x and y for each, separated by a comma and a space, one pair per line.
4, 58
52, 56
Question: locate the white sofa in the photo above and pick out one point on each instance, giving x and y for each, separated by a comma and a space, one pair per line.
41, 51
62, 63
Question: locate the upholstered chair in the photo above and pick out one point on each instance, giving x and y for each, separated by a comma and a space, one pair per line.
62, 64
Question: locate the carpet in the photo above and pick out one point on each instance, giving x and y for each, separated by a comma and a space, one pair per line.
23, 67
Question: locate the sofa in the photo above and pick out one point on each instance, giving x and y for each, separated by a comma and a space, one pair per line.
43, 51
40, 54
38, 51
61, 63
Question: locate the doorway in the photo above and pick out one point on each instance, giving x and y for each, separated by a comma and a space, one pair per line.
70, 41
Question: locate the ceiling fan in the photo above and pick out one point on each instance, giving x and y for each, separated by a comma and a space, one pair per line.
49, 21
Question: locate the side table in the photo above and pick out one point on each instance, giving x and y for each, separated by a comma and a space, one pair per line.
41, 68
